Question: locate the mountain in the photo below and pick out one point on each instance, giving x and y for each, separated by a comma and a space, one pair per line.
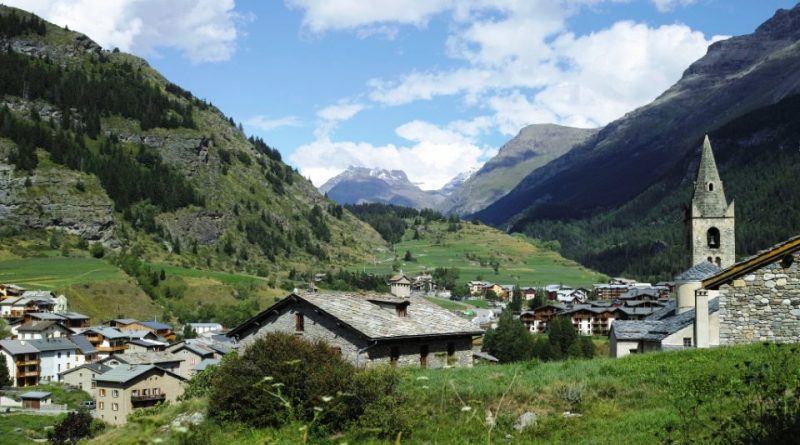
736, 76
617, 203
98, 144
457, 182
358, 185
533, 147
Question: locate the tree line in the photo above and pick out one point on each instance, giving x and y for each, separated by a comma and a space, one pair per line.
12, 25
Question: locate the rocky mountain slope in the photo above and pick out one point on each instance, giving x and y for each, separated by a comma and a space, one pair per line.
533, 147
359, 185
97, 143
736, 76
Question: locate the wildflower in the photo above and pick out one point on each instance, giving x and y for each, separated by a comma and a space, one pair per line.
318, 409
422, 377
327, 399
277, 385
466, 408
268, 378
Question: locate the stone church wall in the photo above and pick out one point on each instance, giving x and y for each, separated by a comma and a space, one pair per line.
762, 306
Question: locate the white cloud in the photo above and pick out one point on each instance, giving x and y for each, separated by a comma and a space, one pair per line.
325, 15
669, 5
340, 112
203, 30
434, 156
264, 123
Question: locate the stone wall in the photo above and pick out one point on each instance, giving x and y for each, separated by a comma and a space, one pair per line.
762, 306
357, 349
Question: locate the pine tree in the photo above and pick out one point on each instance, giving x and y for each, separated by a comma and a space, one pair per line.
511, 341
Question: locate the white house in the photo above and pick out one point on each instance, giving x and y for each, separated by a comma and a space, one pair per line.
56, 355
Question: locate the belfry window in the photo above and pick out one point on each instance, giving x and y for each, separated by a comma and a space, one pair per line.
710, 186
713, 237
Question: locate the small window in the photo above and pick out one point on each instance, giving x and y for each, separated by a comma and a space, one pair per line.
710, 186
451, 349
423, 356
135, 393
394, 355
156, 391
114, 393
114, 407
102, 392
299, 322
94, 384
687, 342
101, 405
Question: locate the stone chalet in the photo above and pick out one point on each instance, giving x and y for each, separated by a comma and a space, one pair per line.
126, 388
370, 329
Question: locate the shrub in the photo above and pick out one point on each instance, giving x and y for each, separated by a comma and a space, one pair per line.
280, 379
511, 341
74, 427
97, 250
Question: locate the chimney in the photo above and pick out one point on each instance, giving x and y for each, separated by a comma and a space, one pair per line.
701, 325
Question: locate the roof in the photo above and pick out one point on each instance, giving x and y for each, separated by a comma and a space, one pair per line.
53, 344
485, 356
35, 395
37, 326
197, 348
97, 367
205, 363
204, 325
755, 262
15, 347
107, 332
399, 278
73, 315
158, 326
46, 316
147, 358
699, 272
37, 294
422, 318
657, 329
83, 344
126, 373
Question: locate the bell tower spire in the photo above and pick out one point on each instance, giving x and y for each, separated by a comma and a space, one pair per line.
711, 218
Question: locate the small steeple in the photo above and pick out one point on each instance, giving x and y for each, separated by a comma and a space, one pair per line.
709, 196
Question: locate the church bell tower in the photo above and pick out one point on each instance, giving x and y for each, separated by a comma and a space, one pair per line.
710, 220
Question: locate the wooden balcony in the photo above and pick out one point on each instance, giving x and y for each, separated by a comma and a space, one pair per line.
30, 362
148, 398
22, 374
111, 349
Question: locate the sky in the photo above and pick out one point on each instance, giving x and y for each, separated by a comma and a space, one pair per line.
431, 87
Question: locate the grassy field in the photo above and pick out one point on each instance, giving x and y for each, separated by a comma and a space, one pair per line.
25, 429
58, 272
634, 400
520, 261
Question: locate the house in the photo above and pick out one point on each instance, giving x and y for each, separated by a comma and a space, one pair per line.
478, 287
37, 330
591, 320
400, 285
191, 354
202, 328
106, 340
369, 329
85, 347
56, 355
609, 291
72, 320
126, 388
18, 306
538, 319
652, 293
200, 367
82, 377
423, 283
506, 291
35, 399
163, 360
10, 290
159, 329
22, 362
146, 345
528, 293
568, 295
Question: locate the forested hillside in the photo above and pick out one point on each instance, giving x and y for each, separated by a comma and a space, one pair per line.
96, 143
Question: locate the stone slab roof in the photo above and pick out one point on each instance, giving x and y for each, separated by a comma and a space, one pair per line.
37, 326
147, 358
126, 373
657, 330
423, 319
699, 272
83, 344
205, 363
53, 344
15, 347
755, 262
37, 395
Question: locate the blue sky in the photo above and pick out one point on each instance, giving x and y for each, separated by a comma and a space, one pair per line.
433, 87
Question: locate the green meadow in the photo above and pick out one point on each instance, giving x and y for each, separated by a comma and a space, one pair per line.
520, 260
57, 272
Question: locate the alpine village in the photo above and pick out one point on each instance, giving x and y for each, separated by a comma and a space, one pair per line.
167, 277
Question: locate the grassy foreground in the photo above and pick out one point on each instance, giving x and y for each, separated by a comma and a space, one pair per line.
632, 401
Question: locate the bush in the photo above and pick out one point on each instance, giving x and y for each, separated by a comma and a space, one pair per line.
97, 250
511, 341
281, 379
74, 427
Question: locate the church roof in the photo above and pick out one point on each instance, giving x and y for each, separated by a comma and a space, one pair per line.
699, 272
753, 263
709, 196
656, 330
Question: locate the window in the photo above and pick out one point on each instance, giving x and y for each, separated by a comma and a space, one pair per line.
423, 356
687, 342
299, 322
101, 405
713, 237
135, 393
394, 355
102, 392
59, 355
710, 186
156, 391
451, 349
114, 393
114, 407
94, 384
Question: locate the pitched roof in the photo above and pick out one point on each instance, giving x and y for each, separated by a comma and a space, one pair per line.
205, 363
97, 367
422, 318
53, 344
83, 344
755, 262
400, 278
657, 330
35, 395
15, 347
157, 325
39, 326
699, 272
124, 321
107, 332
126, 373
147, 358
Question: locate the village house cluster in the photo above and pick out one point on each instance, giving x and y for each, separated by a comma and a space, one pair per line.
123, 363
